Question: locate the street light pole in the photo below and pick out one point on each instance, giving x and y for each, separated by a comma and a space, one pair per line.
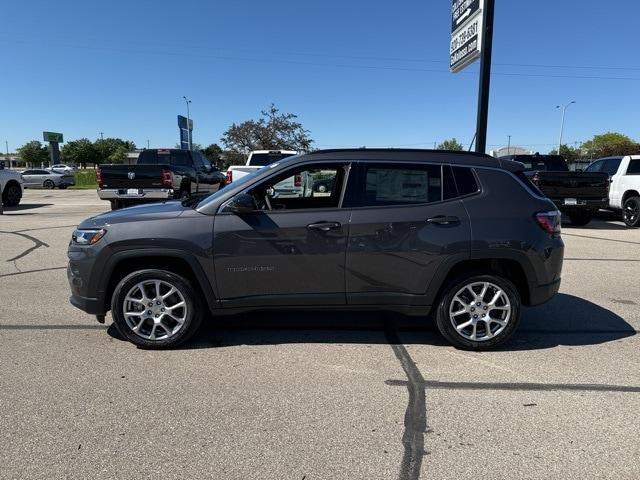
187, 101
564, 109
509, 145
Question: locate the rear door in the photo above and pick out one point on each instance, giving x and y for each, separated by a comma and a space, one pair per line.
404, 225
290, 250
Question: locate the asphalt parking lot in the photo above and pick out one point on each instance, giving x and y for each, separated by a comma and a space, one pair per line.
312, 396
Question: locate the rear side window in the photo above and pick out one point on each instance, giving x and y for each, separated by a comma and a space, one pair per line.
527, 183
401, 184
465, 180
634, 167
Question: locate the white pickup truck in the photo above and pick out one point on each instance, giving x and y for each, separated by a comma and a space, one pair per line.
257, 159
624, 192
11, 187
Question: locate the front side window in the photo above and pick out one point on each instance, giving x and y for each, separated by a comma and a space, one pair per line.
595, 166
401, 184
304, 187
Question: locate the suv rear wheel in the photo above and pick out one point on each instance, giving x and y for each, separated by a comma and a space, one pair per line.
631, 212
12, 195
156, 308
478, 312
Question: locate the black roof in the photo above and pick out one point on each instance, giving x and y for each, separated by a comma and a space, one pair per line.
414, 154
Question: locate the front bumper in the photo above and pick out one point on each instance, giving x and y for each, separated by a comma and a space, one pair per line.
88, 305
143, 194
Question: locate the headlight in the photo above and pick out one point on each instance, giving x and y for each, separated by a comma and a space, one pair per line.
87, 237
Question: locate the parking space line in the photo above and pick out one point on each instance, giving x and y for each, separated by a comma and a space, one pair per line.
599, 238
415, 418
32, 271
521, 387
53, 327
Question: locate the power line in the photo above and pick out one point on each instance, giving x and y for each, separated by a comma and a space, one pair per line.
355, 66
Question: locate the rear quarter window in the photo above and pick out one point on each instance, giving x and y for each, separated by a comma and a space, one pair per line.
634, 167
465, 181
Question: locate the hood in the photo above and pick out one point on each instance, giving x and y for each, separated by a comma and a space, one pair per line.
140, 213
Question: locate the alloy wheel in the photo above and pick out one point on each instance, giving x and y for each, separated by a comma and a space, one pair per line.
155, 309
480, 311
630, 212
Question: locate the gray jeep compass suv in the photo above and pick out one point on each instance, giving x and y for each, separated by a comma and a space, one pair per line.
464, 236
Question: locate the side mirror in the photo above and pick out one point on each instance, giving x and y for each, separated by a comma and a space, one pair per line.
242, 203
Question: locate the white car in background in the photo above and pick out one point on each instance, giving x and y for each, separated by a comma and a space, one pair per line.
11, 187
62, 168
624, 192
256, 160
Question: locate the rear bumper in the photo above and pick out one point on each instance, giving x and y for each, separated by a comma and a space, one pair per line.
539, 294
121, 194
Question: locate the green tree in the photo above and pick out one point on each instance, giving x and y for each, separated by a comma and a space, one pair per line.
34, 153
609, 144
451, 144
230, 157
213, 152
273, 131
570, 154
113, 150
80, 152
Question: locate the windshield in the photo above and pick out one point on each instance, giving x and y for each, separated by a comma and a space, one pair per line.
262, 159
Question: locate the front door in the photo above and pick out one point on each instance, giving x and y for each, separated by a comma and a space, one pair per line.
291, 249
404, 224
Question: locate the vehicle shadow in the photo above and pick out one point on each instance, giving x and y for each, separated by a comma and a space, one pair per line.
26, 206
565, 320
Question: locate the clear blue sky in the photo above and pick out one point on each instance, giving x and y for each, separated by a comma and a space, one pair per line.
357, 72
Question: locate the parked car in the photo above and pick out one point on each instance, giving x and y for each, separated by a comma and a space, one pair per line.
62, 168
158, 174
256, 160
579, 195
624, 193
44, 178
11, 186
464, 235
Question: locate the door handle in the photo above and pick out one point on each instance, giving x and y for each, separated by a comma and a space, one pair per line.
323, 226
443, 220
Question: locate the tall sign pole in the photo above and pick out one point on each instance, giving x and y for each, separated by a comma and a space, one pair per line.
472, 39
485, 77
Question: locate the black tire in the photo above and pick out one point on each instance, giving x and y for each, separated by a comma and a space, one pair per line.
49, 185
115, 204
11, 195
580, 219
62, 187
631, 212
498, 333
192, 313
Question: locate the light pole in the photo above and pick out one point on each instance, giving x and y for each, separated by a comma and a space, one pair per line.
187, 101
509, 145
147, 144
564, 109
101, 135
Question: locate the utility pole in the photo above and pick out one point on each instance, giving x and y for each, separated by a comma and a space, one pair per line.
485, 78
147, 144
187, 101
509, 145
101, 135
564, 109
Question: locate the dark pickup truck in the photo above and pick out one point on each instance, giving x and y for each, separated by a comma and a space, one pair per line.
577, 194
158, 174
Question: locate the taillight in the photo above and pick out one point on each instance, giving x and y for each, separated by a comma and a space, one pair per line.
297, 180
99, 177
550, 221
229, 176
167, 178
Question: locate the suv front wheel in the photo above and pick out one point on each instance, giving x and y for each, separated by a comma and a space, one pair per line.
156, 308
478, 312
